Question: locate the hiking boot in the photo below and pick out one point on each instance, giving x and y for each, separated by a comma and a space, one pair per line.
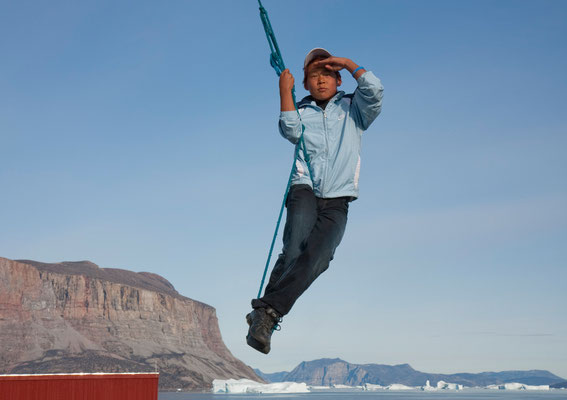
263, 322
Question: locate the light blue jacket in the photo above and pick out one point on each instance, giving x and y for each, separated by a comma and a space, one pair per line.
333, 137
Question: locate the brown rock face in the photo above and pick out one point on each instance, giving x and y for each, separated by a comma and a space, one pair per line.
77, 317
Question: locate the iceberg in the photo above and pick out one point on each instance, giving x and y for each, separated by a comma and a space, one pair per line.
518, 386
339, 386
250, 386
449, 386
371, 386
399, 386
442, 385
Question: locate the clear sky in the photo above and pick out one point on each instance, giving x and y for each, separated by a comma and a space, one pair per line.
143, 135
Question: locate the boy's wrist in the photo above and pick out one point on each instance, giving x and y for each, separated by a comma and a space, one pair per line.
286, 96
351, 65
354, 73
286, 101
356, 70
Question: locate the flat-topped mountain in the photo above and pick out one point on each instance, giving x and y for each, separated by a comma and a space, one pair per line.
327, 371
77, 317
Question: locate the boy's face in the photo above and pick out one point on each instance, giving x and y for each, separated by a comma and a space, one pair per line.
321, 82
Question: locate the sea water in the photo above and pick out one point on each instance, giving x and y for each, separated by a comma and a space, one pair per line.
466, 394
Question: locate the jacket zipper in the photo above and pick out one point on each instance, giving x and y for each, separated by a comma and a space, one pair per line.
323, 180
326, 153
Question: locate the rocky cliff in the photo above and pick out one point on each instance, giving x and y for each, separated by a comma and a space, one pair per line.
77, 317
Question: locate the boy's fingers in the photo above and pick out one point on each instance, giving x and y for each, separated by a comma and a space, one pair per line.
328, 60
331, 63
333, 67
322, 62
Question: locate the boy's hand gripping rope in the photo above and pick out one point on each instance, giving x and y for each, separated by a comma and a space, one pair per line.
276, 61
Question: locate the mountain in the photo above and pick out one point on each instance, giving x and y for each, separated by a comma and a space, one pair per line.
275, 377
77, 317
326, 371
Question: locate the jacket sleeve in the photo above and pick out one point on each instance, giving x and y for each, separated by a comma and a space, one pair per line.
367, 99
290, 126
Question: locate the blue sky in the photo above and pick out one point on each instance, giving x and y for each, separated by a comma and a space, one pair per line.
143, 136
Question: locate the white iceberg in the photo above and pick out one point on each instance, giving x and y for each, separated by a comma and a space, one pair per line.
371, 386
518, 386
399, 386
393, 386
442, 385
449, 386
320, 387
347, 387
250, 386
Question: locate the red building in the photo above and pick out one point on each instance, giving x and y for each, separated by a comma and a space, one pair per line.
127, 386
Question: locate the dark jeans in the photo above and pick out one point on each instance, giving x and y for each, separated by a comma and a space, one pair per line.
314, 228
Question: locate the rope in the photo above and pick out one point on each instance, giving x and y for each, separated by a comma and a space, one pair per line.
276, 61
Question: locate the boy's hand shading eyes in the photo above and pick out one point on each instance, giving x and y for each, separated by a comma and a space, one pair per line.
338, 63
332, 63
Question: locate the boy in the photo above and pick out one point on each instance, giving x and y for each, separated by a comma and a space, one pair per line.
323, 182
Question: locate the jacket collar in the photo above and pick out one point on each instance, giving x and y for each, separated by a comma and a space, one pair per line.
310, 101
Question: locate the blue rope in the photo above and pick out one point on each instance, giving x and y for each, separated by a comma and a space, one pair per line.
276, 61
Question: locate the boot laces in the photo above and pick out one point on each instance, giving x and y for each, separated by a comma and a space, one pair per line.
277, 326
276, 320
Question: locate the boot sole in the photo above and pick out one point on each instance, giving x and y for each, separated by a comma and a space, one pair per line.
261, 347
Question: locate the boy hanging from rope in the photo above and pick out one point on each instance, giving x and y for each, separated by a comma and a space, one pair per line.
324, 181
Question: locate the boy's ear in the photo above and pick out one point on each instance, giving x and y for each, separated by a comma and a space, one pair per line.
305, 85
339, 81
